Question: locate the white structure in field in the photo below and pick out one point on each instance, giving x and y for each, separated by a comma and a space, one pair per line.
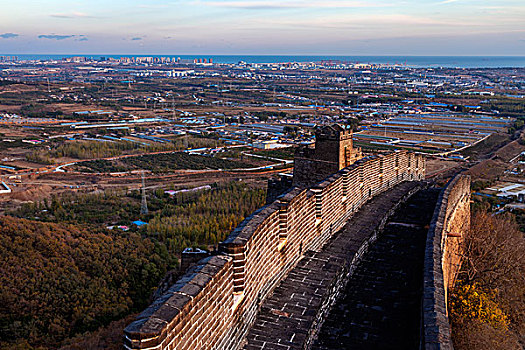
4, 188
509, 189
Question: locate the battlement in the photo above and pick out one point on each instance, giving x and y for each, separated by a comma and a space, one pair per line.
443, 254
333, 132
213, 305
333, 151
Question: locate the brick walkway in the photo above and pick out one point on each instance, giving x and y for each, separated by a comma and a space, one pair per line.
381, 306
288, 315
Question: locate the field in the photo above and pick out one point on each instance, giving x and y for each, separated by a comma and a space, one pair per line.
487, 147
281, 153
432, 132
160, 163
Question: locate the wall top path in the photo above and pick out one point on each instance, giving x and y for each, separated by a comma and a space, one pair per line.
288, 317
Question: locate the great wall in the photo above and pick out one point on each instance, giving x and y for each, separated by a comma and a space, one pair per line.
276, 278
449, 224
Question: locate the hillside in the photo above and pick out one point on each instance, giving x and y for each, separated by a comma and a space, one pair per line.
59, 280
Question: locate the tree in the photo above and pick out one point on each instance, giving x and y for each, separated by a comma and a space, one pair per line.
487, 308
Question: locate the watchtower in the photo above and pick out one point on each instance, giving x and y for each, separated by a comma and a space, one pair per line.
334, 143
333, 151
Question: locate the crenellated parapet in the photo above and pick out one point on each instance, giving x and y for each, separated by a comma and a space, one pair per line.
214, 303
443, 256
333, 150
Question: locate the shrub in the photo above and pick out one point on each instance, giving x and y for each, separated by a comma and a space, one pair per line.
487, 308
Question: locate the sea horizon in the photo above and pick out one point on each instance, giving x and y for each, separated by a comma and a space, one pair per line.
416, 61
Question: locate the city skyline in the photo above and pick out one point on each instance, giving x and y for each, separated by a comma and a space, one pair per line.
299, 27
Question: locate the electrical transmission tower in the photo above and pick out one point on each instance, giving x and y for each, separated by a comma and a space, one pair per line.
144, 204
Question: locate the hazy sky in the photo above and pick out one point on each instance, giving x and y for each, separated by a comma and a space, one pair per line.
339, 27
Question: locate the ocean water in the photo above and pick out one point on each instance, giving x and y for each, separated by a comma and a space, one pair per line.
412, 61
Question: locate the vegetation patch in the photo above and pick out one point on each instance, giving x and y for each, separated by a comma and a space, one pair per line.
94, 149
161, 163
486, 147
57, 280
66, 274
487, 308
205, 220
280, 153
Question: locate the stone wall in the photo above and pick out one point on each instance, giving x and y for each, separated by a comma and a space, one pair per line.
446, 234
215, 303
333, 151
277, 187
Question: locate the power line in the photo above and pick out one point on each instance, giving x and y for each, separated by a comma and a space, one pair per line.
144, 204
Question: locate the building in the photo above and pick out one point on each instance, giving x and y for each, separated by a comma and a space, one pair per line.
268, 144
333, 151
510, 190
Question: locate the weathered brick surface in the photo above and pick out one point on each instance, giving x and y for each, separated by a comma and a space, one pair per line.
333, 151
443, 259
292, 315
178, 318
214, 305
380, 307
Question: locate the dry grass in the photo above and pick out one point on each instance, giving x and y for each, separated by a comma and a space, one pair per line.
489, 169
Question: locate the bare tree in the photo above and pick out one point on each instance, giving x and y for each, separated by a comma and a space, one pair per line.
494, 260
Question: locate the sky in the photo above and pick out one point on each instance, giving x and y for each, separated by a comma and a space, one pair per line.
263, 27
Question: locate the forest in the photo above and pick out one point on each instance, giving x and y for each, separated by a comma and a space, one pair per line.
205, 220
66, 274
90, 149
93, 149
509, 107
57, 280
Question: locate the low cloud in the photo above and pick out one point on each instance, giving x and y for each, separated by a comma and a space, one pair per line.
71, 15
371, 23
268, 5
83, 39
8, 35
149, 6
55, 36
136, 39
